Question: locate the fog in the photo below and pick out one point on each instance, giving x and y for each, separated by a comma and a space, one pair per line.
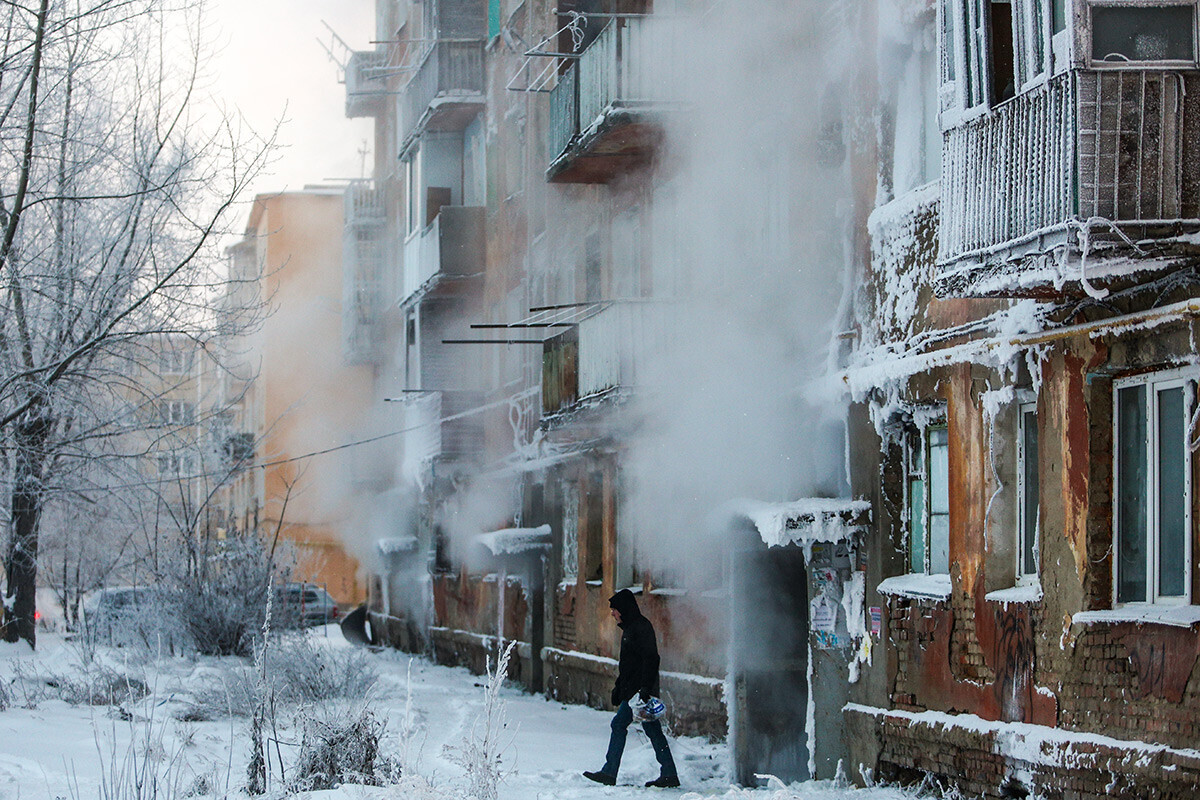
761, 212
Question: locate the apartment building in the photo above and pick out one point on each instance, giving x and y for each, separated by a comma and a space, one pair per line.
1024, 380
994, 584
294, 402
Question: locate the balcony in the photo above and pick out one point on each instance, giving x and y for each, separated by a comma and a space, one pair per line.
435, 430
366, 90
445, 93
605, 352
450, 249
364, 253
1083, 166
602, 111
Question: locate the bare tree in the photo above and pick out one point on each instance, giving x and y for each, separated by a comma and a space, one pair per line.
114, 190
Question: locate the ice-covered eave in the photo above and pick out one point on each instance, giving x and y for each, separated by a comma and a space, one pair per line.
397, 545
804, 522
873, 374
516, 541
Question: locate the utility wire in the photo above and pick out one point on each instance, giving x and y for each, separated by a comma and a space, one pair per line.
229, 474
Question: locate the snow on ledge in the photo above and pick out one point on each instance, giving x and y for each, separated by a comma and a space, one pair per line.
1033, 744
512, 541
1017, 594
1177, 616
926, 587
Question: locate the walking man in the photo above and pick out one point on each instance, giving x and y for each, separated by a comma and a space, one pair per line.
637, 675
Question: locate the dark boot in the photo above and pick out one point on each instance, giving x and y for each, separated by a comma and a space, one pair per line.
605, 778
663, 782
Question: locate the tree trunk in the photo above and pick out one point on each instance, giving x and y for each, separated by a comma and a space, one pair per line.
20, 597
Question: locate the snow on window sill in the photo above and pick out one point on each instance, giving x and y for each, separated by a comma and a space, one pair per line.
666, 591
927, 587
1178, 616
594, 583
1030, 593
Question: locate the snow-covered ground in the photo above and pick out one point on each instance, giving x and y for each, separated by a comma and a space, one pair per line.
51, 747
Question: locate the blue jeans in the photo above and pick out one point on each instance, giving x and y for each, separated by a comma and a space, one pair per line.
616, 743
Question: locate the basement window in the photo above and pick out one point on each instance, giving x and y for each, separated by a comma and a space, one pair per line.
1152, 488
1162, 33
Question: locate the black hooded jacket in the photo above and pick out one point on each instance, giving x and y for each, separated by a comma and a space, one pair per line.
637, 670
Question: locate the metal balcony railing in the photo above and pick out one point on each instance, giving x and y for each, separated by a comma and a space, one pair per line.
365, 89
1011, 173
630, 64
364, 253
452, 73
363, 204
1088, 144
452, 245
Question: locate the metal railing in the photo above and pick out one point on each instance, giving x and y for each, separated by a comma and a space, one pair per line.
364, 253
564, 112
365, 90
1107, 144
630, 63
451, 70
363, 203
1010, 173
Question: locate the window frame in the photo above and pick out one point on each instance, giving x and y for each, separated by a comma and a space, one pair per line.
1088, 31
1029, 26
1154, 382
923, 473
1024, 578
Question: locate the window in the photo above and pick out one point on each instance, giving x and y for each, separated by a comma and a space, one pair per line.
1033, 20
991, 49
176, 412
570, 534
1152, 492
175, 360
1027, 494
929, 501
173, 464
1163, 32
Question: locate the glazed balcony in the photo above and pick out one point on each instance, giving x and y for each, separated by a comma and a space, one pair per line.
1093, 160
445, 93
600, 354
366, 91
603, 109
449, 250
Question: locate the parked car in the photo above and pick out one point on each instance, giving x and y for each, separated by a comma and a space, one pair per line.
303, 605
122, 615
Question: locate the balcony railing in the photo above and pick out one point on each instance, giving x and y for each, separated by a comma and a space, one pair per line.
607, 350
1089, 144
363, 204
451, 246
364, 253
445, 92
628, 67
365, 89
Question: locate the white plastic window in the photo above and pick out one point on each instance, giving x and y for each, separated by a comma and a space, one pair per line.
1152, 488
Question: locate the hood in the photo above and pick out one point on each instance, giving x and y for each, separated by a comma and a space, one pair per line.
624, 602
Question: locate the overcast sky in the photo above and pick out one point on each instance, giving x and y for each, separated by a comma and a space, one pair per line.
272, 65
